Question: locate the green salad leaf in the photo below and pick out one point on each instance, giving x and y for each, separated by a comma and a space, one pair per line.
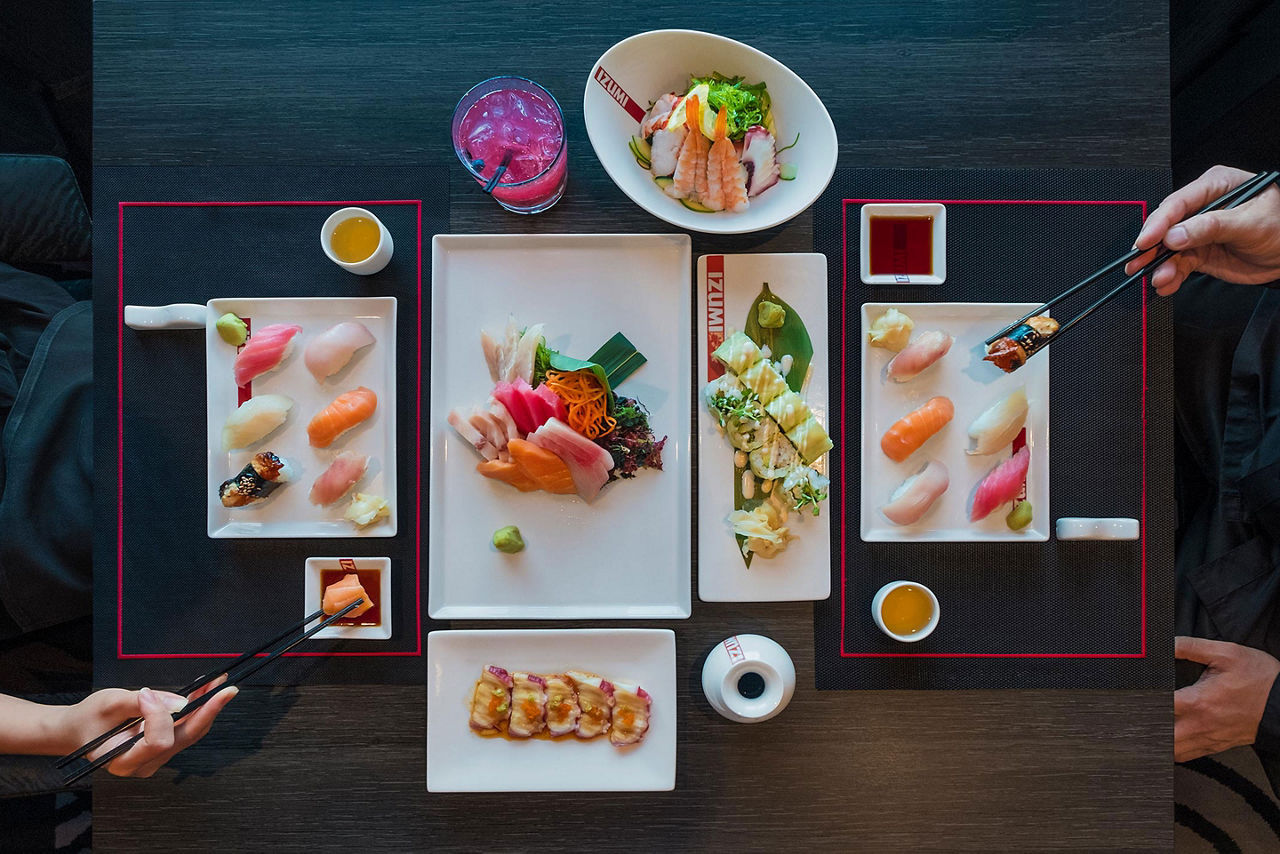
747, 104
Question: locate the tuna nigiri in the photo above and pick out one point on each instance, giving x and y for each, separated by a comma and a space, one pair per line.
347, 410
254, 419
342, 474
916, 495
267, 348
342, 593
1001, 486
999, 425
333, 348
912, 430
928, 348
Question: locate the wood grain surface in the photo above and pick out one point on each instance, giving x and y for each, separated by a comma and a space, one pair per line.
946, 83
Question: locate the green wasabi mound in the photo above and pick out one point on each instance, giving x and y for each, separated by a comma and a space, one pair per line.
1019, 517
508, 540
232, 329
771, 315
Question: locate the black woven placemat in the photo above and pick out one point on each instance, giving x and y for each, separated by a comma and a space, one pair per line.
1045, 615
188, 598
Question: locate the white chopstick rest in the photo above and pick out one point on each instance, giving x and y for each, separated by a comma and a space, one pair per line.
1082, 528
748, 678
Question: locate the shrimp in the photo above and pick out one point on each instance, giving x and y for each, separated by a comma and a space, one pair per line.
691, 167
658, 114
726, 176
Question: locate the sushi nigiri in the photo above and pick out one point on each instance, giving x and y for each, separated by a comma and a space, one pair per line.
999, 425
596, 703
912, 430
333, 348
342, 474
491, 700
342, 593
928, 348
267, 348
255, 481
347, 410
1001, 486
528, 705
254, 419
563, 710
630, 713
916, 495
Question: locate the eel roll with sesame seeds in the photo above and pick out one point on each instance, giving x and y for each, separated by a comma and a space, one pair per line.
255, 481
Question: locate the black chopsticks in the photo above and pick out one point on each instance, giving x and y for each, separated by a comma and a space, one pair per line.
1236, 197
234, 676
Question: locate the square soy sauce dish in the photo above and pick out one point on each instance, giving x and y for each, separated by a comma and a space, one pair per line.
903, 243
375, 577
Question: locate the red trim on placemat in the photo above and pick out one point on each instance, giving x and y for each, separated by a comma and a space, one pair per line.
844, 385
417, 524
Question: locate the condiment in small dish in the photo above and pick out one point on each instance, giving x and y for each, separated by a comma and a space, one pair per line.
357, 241
906, 611
904, 244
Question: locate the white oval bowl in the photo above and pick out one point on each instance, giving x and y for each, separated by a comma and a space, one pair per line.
645, 66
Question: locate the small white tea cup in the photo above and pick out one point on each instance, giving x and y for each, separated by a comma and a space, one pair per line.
374, 263
748, 678
877, 606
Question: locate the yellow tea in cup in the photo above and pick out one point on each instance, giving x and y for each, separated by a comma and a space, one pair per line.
906, 610
355, 239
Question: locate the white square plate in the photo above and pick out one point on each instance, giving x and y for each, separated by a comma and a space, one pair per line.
625, 555
803, 570
972, 385
939, 241
313, 595
288, 511
458, 760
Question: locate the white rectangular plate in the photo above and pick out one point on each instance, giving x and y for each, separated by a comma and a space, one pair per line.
288, 512
972, 385
803, 570
625, 555
458, 760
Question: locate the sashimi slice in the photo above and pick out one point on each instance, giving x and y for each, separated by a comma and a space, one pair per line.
265, 350
509, 396
1001, 486
333, 348
347, 410
563, 710
462, 425
544, 467
554, 402
491, 701
509, 429
342, 474
492, 430
631, 705
588, 463
507, 471
342, 593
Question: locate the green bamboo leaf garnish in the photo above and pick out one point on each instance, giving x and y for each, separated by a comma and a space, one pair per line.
789, 339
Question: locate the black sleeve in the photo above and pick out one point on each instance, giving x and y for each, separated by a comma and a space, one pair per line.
1268, 740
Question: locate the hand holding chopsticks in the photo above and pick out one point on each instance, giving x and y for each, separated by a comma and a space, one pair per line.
1010, 348
208, 694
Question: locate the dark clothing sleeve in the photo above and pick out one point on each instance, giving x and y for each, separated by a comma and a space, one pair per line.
1268, 740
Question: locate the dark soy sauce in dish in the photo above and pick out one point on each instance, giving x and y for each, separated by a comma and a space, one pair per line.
901, 245
371, 581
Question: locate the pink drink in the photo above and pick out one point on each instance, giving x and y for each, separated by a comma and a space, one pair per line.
511, 114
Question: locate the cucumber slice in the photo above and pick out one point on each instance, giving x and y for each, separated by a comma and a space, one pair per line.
635, 152
696, 206
787, 172
641, 148
664, 181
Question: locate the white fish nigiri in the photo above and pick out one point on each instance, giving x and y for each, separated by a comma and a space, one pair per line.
916, 495
342, 474
333, 348
254, 419
999, 425
928, 348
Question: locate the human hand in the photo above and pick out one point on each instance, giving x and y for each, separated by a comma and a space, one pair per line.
1224, 707
161, 740
1240, 245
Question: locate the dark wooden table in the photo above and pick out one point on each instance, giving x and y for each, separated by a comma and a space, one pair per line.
908, 84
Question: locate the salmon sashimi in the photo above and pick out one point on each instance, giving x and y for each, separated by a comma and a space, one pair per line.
690, 179
726, 176
912, 430
342, 593
542, 466
266, 349
507, 472
349, 409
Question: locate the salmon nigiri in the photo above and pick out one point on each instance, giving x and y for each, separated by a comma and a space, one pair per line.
912, 430
348, 410
266, 349
342, 593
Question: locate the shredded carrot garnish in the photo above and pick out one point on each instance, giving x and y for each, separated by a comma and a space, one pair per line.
585, 402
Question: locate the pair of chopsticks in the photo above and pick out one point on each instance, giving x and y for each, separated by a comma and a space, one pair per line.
247, 666
1236, 197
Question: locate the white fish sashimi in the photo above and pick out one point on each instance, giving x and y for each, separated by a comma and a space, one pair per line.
999, 425
512, 358
492, 355
916, 495
332, 349
928, 348
526, 352
461, 423
509, 429
254, 419
664, 151
490, 427
346, 469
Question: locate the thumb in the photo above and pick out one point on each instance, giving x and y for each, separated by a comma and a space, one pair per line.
1203, 230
